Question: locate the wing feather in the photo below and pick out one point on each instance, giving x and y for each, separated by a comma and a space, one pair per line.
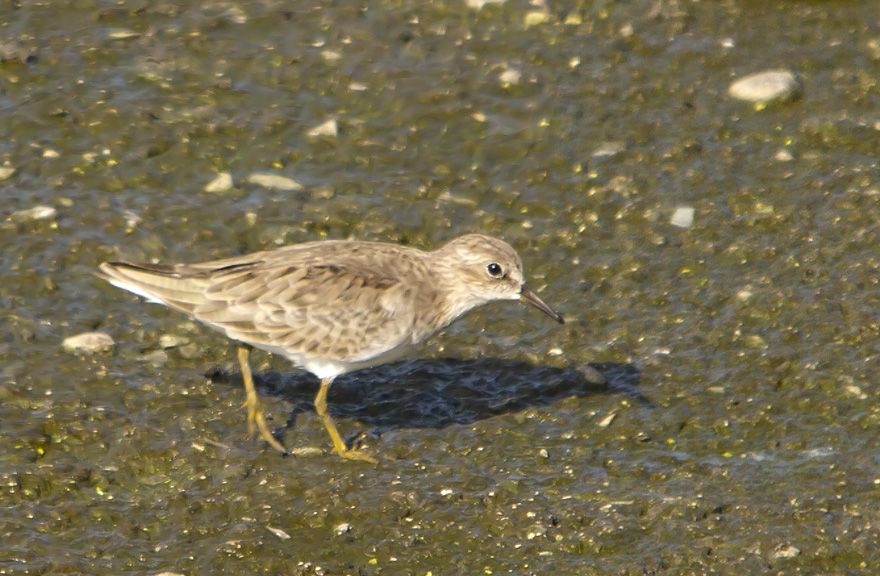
335, 300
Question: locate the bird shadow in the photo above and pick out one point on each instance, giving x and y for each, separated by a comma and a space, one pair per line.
435, 393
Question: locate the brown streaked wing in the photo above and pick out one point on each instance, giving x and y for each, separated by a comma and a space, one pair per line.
343, 313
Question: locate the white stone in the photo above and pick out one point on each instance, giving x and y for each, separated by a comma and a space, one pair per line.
765, 86
326, 129
478, 4
786, 551
278, 532
89, 342
510, 76
274, 181
683, 217
122, 34
535, 17
341, 529
221, 183
6, 172
783, 155
40, 212
608, 149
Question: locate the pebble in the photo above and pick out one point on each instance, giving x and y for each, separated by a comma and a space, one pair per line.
608, 149
171, 341
510, 77
786, 551
607, 420
592, 376
40, 212
278, 532
6, 172
328, 129
478, 4
50, 153
221, 183
122, 34
274, 181
764, 87
783, 155
535, 17
341, 529
89, 342
683, 217
156, 357
330, 56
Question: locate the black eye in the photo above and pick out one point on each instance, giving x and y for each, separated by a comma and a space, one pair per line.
494, 270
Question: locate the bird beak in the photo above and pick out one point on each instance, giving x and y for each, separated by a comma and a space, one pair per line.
530, 297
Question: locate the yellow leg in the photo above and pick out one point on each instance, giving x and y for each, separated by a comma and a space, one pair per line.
252, 401
338, 443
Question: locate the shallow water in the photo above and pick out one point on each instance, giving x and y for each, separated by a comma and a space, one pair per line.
738, 430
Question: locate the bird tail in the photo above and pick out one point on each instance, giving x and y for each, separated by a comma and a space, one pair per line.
159, 284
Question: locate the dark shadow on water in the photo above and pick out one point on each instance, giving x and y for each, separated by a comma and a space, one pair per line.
434, 393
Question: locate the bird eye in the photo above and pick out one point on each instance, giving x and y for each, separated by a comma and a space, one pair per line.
494, 270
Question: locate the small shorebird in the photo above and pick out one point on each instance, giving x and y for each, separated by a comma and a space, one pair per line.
332, 306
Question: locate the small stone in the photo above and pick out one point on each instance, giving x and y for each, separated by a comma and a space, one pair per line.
305, 451
236, 15
6, 172
535, 17
156, 357
607, 149
592, 376
786, 551
122, 34
190, 350
171, 341
50, 153
221, 183
542, 452
132, 220
607, 420
357, 87
36, 213
744, 294
327, 129
278, 532
764, 87
756, 342
854, 390
89, 342
573, 19
341, 529
274, 181
331, 56
783, 155
683, 217
478, 4
510, 77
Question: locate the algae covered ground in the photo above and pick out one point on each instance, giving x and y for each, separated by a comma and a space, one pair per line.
716, 260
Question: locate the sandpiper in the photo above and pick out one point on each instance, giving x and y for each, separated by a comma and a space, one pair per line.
332, 306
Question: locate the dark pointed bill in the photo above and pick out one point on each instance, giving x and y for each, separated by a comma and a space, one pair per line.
528, 296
